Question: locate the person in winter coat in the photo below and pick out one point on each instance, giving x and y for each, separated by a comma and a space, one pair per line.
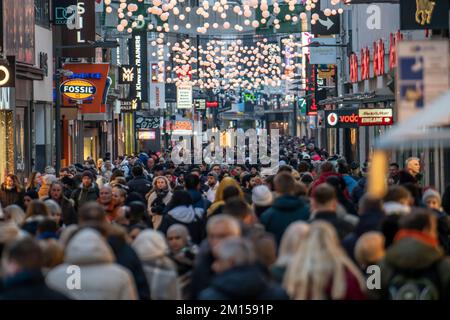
323, 207
56, 193
139, 183
285, 209
320, 269
36, 212
212, 184
192, 186
292, 239
326, 170
158, 198
237, 275
415, 266
100, 277
218, 228
219, 201
183, 253
371, 215
23, 278
160, 270
87, 192
93, 215
181, 211
11, 192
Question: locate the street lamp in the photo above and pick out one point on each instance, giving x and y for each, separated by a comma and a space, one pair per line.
61, 72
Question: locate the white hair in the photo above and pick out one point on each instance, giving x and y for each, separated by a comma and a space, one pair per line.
232, 223
407, 161
237, 250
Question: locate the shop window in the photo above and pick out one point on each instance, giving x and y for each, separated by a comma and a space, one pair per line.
6, 144
42, 12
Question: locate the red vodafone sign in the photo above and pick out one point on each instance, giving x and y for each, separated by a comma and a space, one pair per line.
342, 118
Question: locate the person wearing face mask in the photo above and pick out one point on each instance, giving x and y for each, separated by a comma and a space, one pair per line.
56, 193
11, 192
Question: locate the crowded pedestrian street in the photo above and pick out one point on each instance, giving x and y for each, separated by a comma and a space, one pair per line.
198, 150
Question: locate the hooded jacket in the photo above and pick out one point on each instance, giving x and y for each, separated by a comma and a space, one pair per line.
100, 277
243, 283
411, 253
189, 216
285, 210
159, 269
83, 195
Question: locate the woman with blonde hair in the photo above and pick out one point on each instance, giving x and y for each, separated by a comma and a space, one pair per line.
221, 195
320, 270
158, 198
292, 239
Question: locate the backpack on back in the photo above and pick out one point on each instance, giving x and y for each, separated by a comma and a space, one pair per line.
421, 284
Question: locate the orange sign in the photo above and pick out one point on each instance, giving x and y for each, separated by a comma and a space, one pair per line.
96, 74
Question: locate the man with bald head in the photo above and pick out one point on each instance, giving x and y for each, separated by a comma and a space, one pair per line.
105, 199
218, 228
369, 249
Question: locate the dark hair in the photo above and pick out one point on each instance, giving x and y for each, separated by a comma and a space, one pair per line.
237, 208
26, 253
285, 168
326, 167
37, 208
230, 192
133, 197
369, 204
32, 194
92, 212
324, 193
137, 212
396, 193
47, 225
179, 198
116, 173
394, 164
137, 171
303, 166
418, 219
342, 167
191, 181
284, 183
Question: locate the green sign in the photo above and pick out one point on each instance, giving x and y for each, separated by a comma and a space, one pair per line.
286, 26
302, 106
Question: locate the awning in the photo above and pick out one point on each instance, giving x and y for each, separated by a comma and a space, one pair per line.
380, 95
424, 129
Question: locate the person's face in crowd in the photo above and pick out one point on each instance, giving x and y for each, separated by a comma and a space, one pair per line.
256, 181
9, 183
26, 201
252, 182
56, 216
159, 173
216, 169
253, 170
105, 195
181, 178
414, 167
108, 165
86, 181
226, 169
175, 241
161, 184
99, 163
56, 192
432, 203
122, 216
202, 167
150, 163
38, 178
212, 181
169, 177
238, 171
393, 171
117, 196
217, 233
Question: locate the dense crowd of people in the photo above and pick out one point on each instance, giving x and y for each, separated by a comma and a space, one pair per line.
141, 227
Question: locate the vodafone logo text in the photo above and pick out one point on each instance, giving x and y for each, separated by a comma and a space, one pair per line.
342, 118
347, 119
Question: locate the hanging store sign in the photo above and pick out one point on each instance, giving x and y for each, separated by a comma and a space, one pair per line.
95, 74
130, 105
212, 104
184, 97
420, 76
78, 89
146, 123
325, 52
325, 25
62, 12
424, 14
342, 118
127, 74
375, 117
138, 57
157, 96
8, 73
200, 104
147, 135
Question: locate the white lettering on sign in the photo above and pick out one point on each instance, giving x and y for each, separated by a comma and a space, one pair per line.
5, 98
75, 20
137, 53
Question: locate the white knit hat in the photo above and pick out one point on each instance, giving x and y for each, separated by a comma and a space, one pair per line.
431, 193
261, 196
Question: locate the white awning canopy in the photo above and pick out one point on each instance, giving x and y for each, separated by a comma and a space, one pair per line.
424, 129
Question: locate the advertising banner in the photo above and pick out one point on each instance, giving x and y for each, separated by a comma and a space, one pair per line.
342, 118
184, 97
422, 74
93, 75
138, 57
325, 53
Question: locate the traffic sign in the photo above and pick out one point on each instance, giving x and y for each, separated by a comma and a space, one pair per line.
325, 25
